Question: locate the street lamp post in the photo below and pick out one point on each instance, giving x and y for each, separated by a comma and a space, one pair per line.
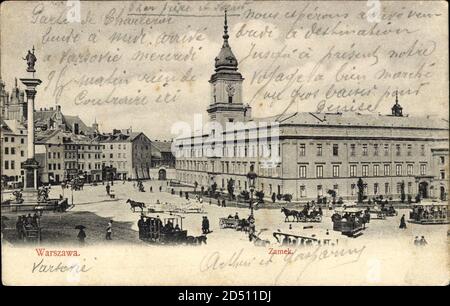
251, 177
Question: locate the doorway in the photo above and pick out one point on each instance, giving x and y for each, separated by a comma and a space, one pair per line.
423, 190
442, 194
162, 174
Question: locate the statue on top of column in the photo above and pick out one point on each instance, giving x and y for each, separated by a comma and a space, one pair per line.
31, 60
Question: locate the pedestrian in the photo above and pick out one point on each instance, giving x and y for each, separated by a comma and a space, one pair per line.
81, 236
108, 188
160, 188
417, 241
251, 230
223, 203
423, 242
29, 220
141, 224
181, 194
19, 227
402, 222
205, 225
151, 189
109, 230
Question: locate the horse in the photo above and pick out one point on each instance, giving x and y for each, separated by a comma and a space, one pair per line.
336, 217
289, 213
196, 240
135, 204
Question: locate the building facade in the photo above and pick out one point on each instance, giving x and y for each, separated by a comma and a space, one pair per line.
12, 104
311, 155
13, 144
129, 153
66, 156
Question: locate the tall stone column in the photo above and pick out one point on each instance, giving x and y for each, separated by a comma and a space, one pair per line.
30, 166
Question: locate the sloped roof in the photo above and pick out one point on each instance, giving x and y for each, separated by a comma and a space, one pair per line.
12, 126
355, 119
4, 126
162, 146
71, 120
45, 136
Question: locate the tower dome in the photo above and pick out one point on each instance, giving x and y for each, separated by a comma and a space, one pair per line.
226, 59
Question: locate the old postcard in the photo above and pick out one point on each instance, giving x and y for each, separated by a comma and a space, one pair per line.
224, 143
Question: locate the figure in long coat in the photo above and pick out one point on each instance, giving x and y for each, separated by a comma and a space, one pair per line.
402, 223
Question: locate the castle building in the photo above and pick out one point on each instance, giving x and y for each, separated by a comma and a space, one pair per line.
311, 155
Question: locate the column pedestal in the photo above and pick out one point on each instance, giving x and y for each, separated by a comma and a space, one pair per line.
30, 191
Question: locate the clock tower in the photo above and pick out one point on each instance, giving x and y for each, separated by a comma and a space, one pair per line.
226, 87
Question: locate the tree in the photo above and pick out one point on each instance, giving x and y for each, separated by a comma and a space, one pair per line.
260, 196
230, 188
360, 190
213, 188
245, 194
332, 193
402, 192
287, 197
195, 186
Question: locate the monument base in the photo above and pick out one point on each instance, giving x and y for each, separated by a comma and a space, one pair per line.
30, 201
30, 167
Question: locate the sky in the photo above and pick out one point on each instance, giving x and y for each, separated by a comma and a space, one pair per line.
271, 61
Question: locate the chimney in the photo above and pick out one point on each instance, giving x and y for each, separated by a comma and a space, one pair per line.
76, 130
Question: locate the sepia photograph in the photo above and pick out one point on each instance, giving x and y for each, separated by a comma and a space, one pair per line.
224, 143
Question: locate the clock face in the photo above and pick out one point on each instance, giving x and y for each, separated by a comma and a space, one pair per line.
231, 90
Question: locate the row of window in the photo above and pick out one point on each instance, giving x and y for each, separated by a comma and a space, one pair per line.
364, 149
12, 151
10, 164
80, 166
81, 147
377, 189
264, 150
12, 139
226, 167
119, 155
120, 146
353, 170
73, 155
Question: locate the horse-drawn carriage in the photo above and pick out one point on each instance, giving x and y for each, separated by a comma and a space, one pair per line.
349, 221
390, 211
136, 204
235, 223
188, 208
305, 239
430, 213
306, 215
376, 213
31, 233
168, 230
